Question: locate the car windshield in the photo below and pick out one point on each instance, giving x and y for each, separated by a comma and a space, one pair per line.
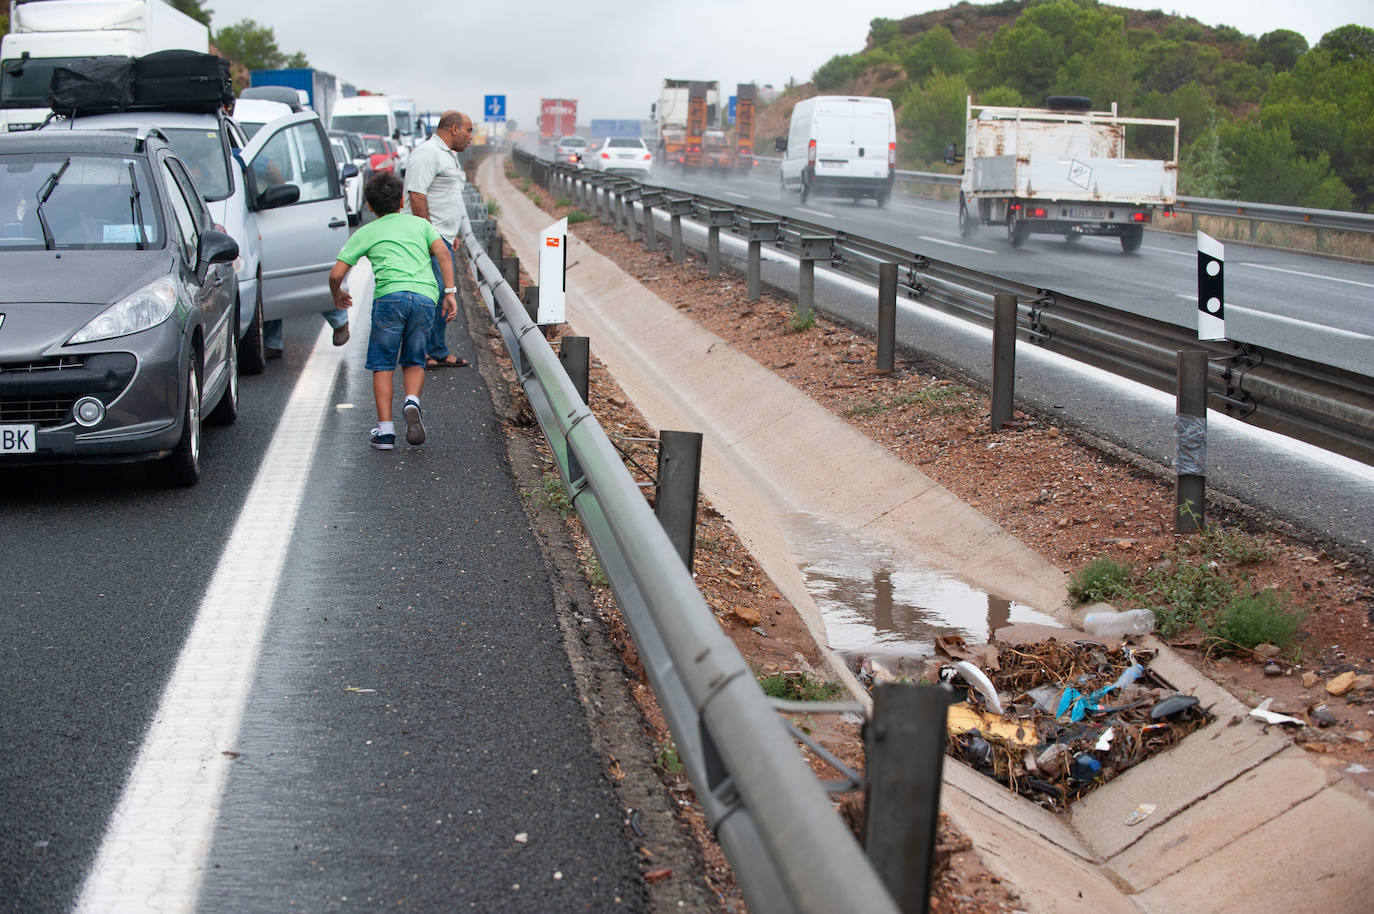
617, 142
361, 123
250, 129
376, 144
572, 141
203, 152
55, 200
27, 83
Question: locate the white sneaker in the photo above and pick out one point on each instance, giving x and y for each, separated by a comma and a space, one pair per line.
415, 425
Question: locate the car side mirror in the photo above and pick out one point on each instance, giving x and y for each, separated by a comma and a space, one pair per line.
396, 134
216, 247
349, 171
279, 195
780, 144
952, 156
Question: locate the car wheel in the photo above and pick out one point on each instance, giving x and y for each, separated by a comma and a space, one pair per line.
1016, 230
967, 224
182, 466
805, 188
884, 196
1131, 238
227, 409
252, 356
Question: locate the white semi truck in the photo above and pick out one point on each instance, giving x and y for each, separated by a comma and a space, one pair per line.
47, 34
1061, 170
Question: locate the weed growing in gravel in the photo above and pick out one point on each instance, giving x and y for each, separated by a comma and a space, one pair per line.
799, 687
1252, 618
562, 202
493, 208
554, 495
512, 174
596, 575
1185, 595
939, 401
577, 216
798, 325
1101, 579
526, 185
1226, 544
666, 759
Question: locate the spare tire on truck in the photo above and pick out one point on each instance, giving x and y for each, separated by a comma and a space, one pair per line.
1069, 103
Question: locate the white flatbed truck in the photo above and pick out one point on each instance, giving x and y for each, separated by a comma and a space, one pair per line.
1062, 170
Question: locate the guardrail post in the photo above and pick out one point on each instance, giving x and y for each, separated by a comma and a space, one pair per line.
904, 752
810, 248
678, 484
887, 316
649, 199
575, 354
756, 231
529, 297
1190, 430
631, 224
510, 272
1003, 357
677, 208
716, 218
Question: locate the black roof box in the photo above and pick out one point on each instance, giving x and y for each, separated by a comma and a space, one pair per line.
188, 81
1069, 103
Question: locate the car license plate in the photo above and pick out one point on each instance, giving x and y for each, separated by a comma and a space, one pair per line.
18, 439
1086, 212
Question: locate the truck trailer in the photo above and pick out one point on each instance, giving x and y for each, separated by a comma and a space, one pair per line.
320, 88
670, 114
557, 118
1062, 170
54, 33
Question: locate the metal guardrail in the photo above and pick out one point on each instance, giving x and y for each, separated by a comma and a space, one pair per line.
1328, 406
1254, 213
789, 849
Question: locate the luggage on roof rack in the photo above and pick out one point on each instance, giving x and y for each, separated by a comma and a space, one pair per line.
188, 81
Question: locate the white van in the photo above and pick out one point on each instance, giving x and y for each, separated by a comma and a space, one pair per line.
369, 114
841, 146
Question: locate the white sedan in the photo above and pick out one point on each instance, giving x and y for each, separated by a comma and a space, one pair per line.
621, 154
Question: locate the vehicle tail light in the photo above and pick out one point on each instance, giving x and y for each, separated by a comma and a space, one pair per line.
811, 153
605, 155
648, 156
1037, 213
1015, 207
1140, 217
891, 155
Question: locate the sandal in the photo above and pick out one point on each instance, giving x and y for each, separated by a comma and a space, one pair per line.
451, 361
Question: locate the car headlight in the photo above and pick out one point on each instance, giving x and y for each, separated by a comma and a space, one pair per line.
148, 307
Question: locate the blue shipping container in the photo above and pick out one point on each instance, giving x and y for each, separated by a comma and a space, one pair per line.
320, 87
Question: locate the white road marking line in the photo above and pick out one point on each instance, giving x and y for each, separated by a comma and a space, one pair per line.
731, 193
955, 244
1282, 318
154, 849
931, 209
1263, 266
816, 212
1157, 250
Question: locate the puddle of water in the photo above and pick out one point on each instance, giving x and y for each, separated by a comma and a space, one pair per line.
876, 602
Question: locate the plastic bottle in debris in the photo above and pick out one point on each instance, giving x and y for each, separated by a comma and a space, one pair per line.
1119, 625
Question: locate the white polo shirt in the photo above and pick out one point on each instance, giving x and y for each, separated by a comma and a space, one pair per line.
433, 170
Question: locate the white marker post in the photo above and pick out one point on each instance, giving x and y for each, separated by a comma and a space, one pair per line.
1211, 293
553, 246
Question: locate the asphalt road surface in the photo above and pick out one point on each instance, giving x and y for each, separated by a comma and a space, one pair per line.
324, 677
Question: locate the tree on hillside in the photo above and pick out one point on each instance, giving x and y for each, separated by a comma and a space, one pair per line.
1279, 49
835, 72
933, 114
1267, 167
1349, 42
255, 46
935, 50
193, 8
1065, 47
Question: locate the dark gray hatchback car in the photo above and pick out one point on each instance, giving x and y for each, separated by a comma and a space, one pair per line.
118, 330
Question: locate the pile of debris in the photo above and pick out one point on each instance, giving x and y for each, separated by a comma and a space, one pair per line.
1054, 719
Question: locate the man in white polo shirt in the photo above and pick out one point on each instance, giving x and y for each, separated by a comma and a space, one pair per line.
434, 186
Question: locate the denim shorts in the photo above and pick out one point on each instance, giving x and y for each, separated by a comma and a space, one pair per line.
400, 321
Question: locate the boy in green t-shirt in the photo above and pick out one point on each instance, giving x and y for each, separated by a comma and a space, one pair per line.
399, 247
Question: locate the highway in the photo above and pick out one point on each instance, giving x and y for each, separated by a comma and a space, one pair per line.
1310, 306
328, 676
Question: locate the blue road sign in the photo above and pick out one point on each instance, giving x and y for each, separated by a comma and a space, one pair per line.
495, 107
730, 116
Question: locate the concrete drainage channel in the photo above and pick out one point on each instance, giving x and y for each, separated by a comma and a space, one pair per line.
1239, 814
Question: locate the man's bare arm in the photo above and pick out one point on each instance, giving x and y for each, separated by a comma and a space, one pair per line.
419, 204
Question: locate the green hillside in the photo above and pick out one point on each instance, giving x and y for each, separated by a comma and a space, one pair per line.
1264, 118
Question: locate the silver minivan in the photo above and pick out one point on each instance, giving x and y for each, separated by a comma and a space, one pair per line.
840, 146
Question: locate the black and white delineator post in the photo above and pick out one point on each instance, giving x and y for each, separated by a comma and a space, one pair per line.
1211, 291
553, 246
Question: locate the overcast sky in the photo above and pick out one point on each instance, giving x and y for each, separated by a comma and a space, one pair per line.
612, 55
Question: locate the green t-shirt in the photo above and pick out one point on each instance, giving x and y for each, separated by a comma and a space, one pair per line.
397, 244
